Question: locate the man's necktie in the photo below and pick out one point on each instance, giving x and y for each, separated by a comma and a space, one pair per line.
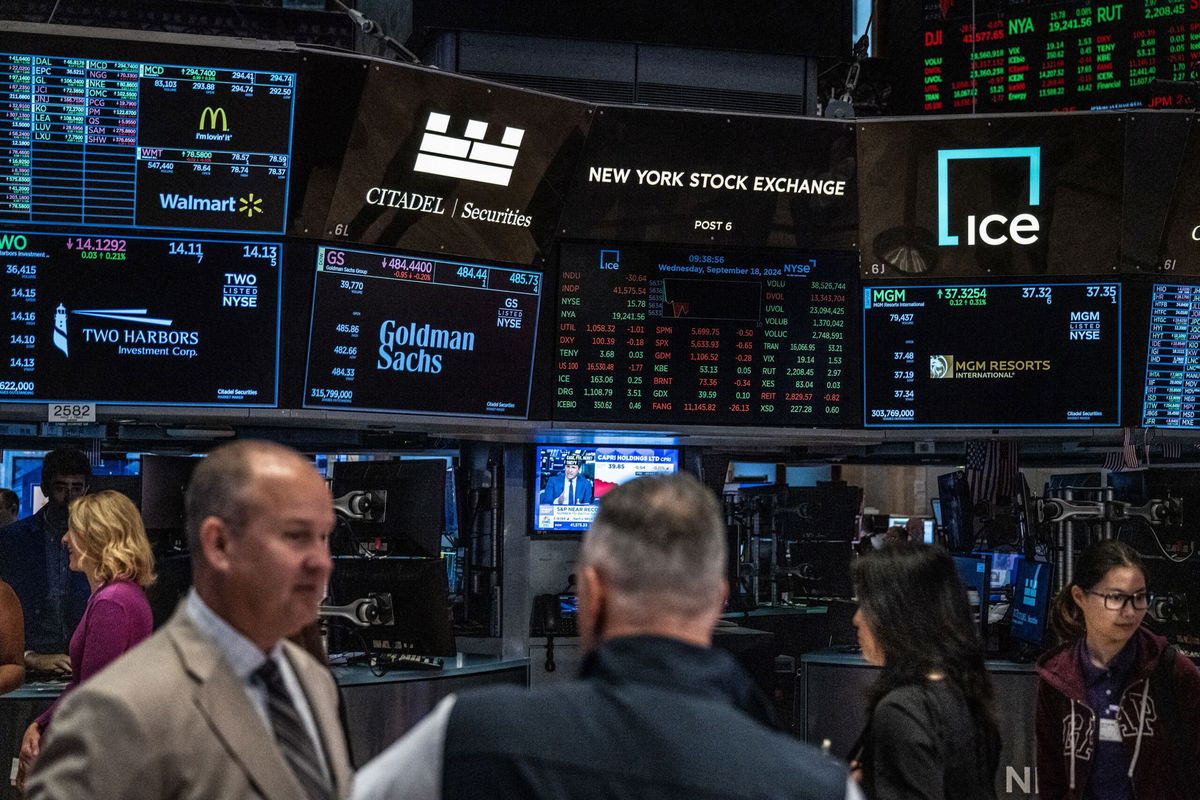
291, 735
571, 496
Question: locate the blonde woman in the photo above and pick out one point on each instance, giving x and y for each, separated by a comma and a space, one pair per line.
106, 541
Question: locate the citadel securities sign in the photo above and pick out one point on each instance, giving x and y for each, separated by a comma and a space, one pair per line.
1032, 195
446, 164
697, 177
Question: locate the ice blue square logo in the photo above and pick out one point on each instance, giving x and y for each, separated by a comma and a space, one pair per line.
1022, 228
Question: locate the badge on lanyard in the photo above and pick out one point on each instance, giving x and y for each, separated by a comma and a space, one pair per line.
1110, 730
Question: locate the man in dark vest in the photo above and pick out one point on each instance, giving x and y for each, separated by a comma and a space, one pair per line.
656, 713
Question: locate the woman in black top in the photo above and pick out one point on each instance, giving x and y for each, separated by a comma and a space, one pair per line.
932, 731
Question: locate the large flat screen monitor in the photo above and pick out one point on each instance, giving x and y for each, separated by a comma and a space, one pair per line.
108, 318
705, 336
411, 333
569, 480
1032, 590
975, 571
139, 132
413, 594
992, 355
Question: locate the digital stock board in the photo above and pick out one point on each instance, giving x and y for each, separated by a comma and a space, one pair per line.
1172, 385
705, 336
90, 141
104, 317
404, 332
989, 355
1023, 55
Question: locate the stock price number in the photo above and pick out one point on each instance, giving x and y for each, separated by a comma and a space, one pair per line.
1109, 291
1040, 293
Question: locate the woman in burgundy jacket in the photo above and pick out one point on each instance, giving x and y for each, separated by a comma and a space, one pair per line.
1118, 712
107, 542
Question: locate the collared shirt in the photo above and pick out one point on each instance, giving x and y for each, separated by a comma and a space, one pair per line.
1104, 685
244, 657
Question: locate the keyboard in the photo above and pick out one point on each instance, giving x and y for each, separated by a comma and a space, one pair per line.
406, 661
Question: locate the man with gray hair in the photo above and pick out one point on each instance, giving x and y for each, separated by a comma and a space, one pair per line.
657, 713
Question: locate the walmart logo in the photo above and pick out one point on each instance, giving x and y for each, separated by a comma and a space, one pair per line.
993, 229
250, 205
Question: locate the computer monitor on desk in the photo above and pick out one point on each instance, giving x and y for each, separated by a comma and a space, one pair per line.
975, 571
1031, 605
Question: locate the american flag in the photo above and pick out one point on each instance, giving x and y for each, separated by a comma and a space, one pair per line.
992, 468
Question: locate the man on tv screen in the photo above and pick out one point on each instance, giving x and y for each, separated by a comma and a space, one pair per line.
569, 488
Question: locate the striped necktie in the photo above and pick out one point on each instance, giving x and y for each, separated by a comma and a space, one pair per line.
291, 735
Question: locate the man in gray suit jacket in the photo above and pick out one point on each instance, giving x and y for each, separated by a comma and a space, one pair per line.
217, 704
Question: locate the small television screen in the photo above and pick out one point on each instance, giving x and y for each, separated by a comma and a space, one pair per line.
1031, 601
410, 333
571, 479
997, 355
975, 571
413, 611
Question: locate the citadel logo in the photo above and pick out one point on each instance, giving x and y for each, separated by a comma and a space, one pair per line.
468, 157
1022, 229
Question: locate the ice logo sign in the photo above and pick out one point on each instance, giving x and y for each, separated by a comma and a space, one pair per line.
60, 329
467, 157
993, 229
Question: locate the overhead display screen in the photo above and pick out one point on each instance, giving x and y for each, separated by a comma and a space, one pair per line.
108, 318
442, 163
987, 355
705, 336
715, 179
87, 141
990, 197
403, 332
1172, 389
1018, 55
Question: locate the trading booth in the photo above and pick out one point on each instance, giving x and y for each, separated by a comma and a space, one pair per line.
481, 307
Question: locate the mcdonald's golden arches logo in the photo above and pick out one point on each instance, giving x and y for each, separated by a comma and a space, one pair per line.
210, 116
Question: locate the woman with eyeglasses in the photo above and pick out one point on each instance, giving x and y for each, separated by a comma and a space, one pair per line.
1117, 709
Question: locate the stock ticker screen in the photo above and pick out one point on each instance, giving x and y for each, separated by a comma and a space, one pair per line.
1172, 387
1031, 55
705, 336
411, 333
109, 318
1036, 355
111, 142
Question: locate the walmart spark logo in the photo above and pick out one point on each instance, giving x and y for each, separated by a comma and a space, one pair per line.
1022, 228
250, 205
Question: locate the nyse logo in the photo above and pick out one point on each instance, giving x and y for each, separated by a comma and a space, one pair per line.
468, 157
510, 315
993, 229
